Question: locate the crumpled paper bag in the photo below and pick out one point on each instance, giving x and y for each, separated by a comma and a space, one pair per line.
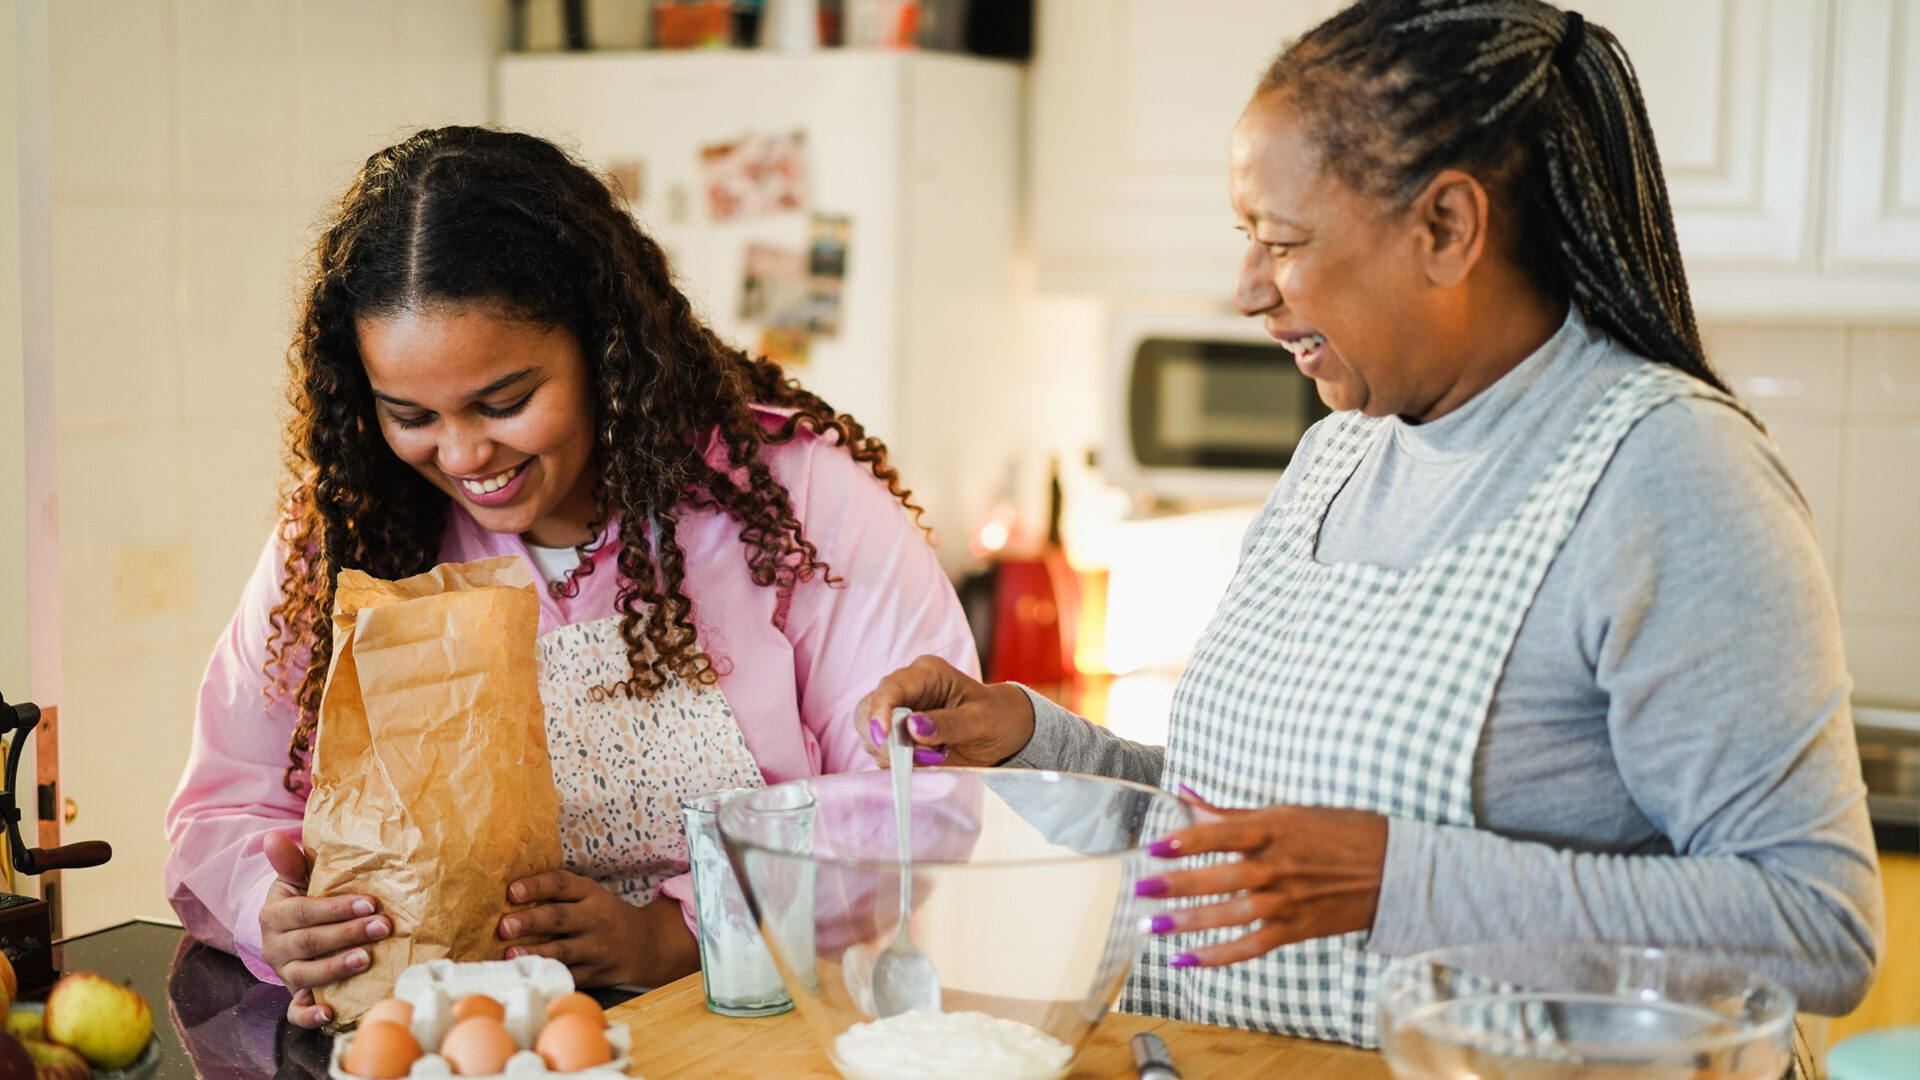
432, 788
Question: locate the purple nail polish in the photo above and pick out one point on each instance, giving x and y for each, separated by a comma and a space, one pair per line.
922, 725
1185, 959
1161, 924
1165, 848
879, 733
1152, 886
1190, 793
929, 757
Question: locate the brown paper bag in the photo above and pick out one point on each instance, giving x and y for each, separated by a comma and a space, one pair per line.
432, 788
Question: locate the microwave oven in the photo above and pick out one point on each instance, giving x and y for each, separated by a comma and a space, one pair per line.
1201, 409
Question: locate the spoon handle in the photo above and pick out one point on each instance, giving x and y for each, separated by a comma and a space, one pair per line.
900, 764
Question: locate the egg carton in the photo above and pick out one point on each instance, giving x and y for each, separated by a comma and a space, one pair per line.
523, 985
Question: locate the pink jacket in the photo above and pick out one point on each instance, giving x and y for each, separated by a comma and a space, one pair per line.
792, 690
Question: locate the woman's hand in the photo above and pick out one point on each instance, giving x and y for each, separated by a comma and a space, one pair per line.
312, 941
602, 939
1303, 872
957, 720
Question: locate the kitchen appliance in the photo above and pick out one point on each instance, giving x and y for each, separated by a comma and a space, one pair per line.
1201, 408
853, 213
1022, 884
26, 922
1889, 741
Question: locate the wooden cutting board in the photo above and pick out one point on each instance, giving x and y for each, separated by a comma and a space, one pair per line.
674, 1037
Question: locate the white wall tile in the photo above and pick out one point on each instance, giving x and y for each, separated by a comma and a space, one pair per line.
1884, 656
112, 98
230, 478
1885, 371
118, 492
1781, 369
348, 58
233, 64
236, 286
439, 81
127, 723
1810, 445
1880, 520
113, 323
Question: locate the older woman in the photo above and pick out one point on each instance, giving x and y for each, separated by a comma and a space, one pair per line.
1533, 641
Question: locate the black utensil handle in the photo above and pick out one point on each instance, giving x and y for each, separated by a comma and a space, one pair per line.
70, 856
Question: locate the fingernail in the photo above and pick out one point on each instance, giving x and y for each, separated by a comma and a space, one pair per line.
879, 733
1185, 959
1152, 886
1190, 793
357, 959
363, 908
921, 725
1160, 924
517, 893
929, 757
378, 929
510, 927
1166, 848
324, 1015
516, 953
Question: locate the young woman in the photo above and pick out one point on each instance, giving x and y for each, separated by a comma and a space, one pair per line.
493, 359
1533, 640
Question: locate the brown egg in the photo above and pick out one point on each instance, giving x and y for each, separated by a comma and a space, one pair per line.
392, 1010
478, 1005
381, 1050
477, 1046
572, 1042
577, 1002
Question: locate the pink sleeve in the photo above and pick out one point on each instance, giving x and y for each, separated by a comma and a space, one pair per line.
231, 795
895, 603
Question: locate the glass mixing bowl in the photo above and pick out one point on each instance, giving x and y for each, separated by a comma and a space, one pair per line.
1548, 1011
1022, 889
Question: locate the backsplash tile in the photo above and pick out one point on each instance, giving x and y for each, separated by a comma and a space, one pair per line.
1884, 655
1781, 369
1880, 521
1884, 371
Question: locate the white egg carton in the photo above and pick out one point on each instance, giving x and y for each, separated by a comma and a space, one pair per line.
523, 985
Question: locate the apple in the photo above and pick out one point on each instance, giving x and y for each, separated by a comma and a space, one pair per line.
15, 1062
108, 1023
53, 1062
27, 1025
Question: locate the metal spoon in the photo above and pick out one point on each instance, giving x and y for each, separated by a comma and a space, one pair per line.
903, 978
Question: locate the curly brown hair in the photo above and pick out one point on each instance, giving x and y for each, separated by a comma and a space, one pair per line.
477, 216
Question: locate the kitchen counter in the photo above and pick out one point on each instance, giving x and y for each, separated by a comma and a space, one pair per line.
216, 1021
712, 1047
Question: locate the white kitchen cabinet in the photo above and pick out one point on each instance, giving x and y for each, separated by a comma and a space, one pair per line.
1789, 131
1133, 101
1876, 128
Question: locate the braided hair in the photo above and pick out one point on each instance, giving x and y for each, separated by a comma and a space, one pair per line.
476, 216
1540, 105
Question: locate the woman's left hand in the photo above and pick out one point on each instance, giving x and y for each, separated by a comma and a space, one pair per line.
603, 940
1303, 872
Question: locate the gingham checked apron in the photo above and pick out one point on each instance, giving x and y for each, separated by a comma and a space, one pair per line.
1360, 686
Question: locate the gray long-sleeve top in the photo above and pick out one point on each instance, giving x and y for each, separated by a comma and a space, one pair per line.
1669, 756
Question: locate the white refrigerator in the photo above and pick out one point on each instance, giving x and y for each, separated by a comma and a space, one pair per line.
746, 161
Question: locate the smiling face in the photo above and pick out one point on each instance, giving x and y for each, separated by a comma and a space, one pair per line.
1344, 280
492, 410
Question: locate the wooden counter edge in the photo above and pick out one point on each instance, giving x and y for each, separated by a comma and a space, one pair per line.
675, 1037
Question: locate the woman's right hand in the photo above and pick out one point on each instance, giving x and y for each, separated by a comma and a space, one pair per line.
312, 941
957, 720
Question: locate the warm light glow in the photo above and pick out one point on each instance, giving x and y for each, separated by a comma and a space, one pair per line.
993, 536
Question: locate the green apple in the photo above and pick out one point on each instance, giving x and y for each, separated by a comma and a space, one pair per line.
52, 1062
108, 1023
26, 1025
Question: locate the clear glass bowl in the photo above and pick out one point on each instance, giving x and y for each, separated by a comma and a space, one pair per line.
1546, 1011
1023, 898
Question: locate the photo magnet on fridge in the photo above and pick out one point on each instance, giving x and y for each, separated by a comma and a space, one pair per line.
757, 175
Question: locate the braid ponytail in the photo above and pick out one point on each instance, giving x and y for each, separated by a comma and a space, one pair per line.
1545, 108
